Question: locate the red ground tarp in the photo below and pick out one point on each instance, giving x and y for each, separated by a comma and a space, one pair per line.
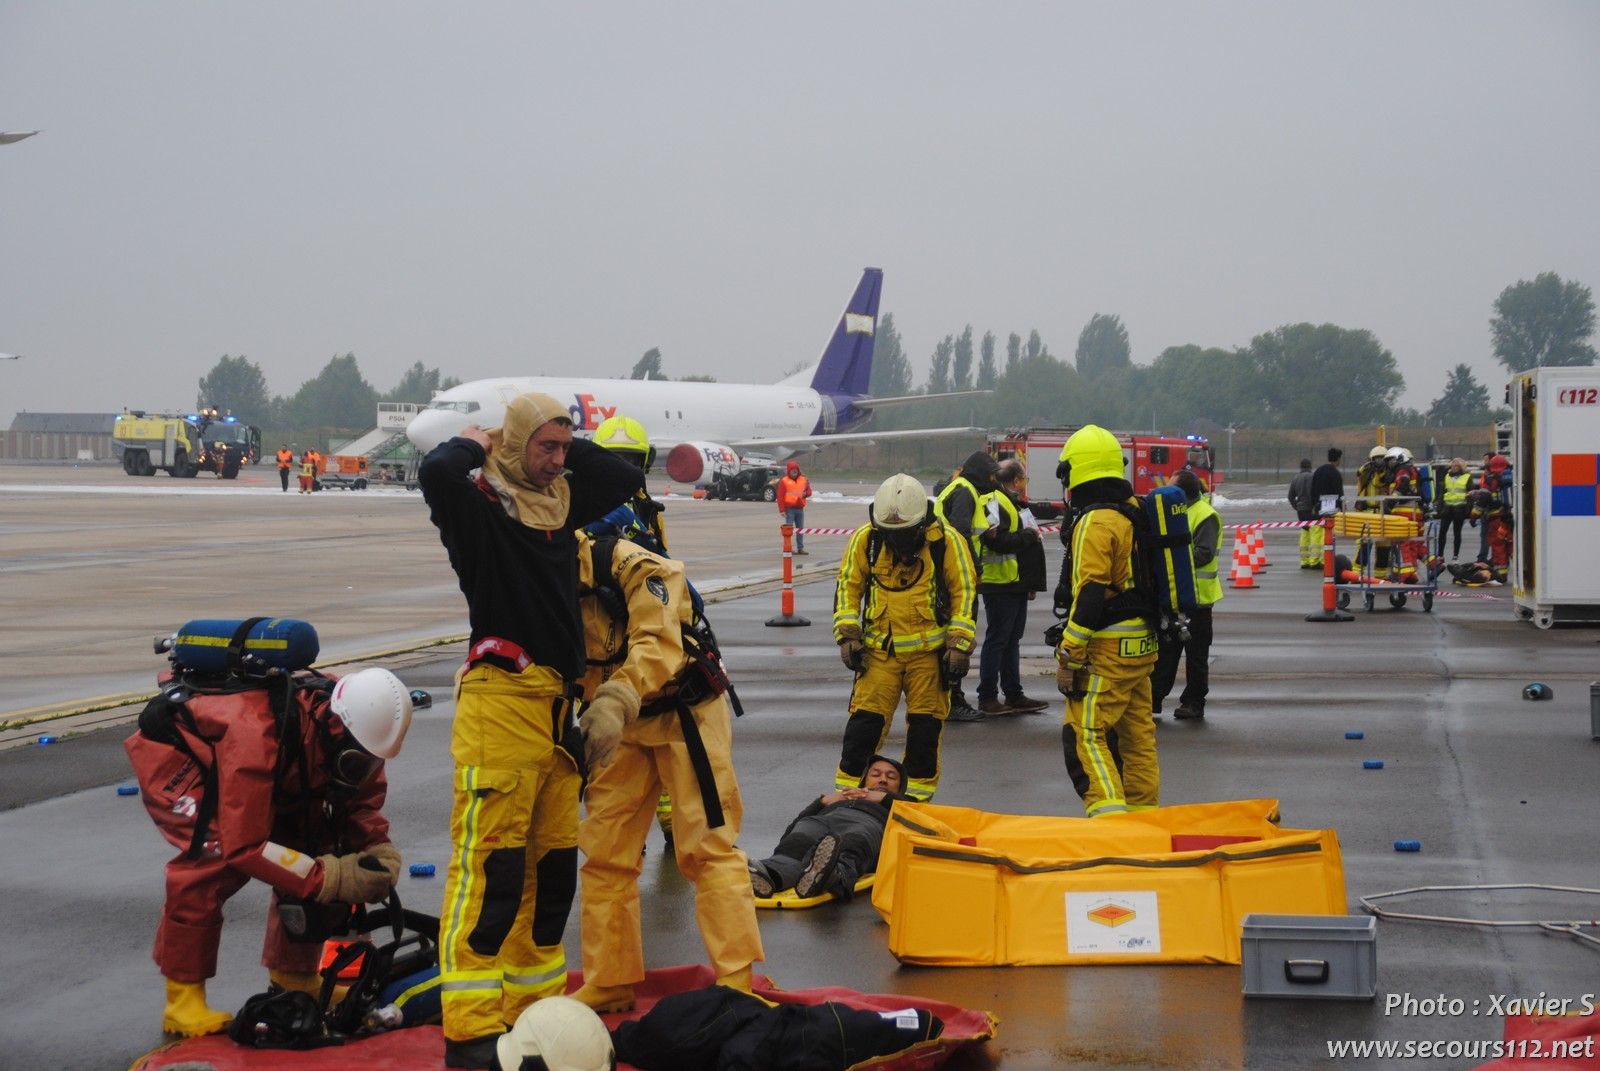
422, 1048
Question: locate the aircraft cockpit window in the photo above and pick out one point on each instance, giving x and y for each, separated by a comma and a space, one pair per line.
455, 407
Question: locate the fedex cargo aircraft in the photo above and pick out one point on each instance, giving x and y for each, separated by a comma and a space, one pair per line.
702, 428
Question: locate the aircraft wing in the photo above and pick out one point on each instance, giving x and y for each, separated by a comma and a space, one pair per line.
909, 399
854, 437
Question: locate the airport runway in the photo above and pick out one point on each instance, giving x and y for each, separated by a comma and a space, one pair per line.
1498, 790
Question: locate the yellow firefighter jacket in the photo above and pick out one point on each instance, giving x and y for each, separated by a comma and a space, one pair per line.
1102, 553
891, 607
646, 647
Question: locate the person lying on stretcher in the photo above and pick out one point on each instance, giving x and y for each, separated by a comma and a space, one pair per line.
833, 842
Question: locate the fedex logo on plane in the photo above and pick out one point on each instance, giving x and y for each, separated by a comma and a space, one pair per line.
588, 413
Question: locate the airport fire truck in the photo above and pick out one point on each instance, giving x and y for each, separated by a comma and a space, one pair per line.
1151, 459
184, 445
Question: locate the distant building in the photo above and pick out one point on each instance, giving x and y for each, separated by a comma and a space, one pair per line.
58, 437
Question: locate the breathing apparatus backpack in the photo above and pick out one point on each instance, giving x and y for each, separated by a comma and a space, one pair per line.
372, 971
1162, 589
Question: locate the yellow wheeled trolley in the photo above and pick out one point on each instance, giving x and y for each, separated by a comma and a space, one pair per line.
1393, 556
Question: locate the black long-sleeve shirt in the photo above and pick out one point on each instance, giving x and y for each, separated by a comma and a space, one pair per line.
521, 583
1327, 480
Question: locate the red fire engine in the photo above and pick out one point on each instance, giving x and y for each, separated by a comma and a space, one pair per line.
1151, 460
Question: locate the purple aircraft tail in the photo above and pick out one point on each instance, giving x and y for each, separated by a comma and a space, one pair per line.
846, 366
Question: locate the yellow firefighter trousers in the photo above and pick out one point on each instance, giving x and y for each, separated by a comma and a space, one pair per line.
1117, 697
883, 678
513, 832
618, 806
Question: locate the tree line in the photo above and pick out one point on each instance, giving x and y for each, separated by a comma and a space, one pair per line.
1299, 375
336, 397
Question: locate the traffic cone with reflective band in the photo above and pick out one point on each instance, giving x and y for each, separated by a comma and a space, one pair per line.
1241, 576
1262, 561
1254, 543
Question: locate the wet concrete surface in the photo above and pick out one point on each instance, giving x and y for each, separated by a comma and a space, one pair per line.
1498, 790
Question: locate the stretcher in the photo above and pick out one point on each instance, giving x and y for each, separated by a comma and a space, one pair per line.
1171, 885
421, 1048
787, 900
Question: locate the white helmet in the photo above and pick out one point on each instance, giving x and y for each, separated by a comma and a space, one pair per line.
562, 1034
1376, 452
1399, 454
899, 503
376, 708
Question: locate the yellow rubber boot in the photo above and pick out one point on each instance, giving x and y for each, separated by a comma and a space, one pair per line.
605, 998
304, 981
187, 1012
742, 980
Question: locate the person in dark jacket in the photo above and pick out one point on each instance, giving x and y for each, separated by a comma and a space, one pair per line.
1005, 596
957, 506
1327, 483
1305, 509
835, 840
510, 536
721, 1028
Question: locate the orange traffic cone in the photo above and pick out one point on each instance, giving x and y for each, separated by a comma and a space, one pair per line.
1241, 576
1258, 548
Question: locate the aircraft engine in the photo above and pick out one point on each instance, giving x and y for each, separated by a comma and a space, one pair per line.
698, 462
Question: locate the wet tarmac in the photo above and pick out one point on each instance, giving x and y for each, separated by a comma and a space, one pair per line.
1496, 789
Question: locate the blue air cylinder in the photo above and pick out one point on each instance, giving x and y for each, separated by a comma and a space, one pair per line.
279, 642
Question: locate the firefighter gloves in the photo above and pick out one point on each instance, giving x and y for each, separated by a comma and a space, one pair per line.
614, 707
853, 654
956, 663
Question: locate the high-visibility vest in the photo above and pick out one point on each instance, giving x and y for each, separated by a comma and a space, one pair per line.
977, 511
1455, 488
997, 567
285, 459
1207, 584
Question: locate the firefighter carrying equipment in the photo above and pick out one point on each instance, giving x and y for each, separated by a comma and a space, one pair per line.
1107, 647
683, 742
1166, 886
240, 775
666, 689
915, 606
626, 436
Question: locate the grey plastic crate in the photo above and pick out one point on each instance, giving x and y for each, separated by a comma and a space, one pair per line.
1321, 957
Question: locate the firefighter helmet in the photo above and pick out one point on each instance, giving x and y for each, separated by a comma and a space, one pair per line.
560, 1034
626, 436
1092, 453
900, 502
1376, 453
376, 708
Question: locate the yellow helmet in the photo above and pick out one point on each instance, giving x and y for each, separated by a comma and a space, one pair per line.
1092, 453
626, 435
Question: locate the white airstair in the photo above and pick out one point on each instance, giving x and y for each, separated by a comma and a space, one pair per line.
389, 434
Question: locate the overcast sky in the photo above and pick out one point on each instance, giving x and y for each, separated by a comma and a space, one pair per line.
555, 187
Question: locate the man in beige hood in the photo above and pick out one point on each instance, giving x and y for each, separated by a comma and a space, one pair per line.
514, 818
